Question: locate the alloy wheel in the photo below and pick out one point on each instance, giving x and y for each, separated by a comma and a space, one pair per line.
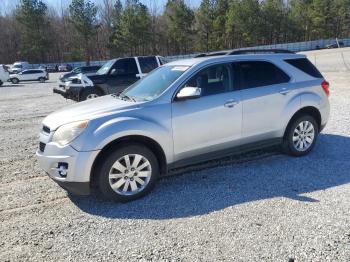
130, 174
303, 136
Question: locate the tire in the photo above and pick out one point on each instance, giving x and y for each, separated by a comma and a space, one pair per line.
1, 83
15, 80
90, 93
140, 177
42, 80
301, 136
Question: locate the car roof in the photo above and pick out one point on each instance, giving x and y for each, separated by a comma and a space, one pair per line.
229, 58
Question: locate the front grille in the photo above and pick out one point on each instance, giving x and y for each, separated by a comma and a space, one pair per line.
42, 146
46, 129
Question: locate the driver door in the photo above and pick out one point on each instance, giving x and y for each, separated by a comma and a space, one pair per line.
123, 74
211, 122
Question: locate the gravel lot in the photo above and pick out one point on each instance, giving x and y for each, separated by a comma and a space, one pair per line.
274, 208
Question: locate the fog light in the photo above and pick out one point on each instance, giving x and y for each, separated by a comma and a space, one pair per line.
62, 169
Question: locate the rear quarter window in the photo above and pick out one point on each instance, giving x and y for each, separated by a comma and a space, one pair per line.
259, 73
148, 63
305, 65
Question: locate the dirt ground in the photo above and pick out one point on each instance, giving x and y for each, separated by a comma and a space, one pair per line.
276, 208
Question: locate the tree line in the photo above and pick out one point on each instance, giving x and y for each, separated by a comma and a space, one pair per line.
86, 31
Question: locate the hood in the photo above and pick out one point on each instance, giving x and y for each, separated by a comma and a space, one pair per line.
67, 75
87, 110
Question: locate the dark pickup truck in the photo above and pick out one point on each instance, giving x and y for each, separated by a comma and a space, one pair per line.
113, 77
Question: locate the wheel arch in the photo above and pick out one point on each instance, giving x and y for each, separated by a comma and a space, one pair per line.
308, 110
138, 139
95, 86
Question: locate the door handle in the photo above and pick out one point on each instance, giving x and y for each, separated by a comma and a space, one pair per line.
284, 91
231, 103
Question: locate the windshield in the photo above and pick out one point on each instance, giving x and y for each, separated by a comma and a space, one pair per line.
106, 67
17, 66
155, 83
77, 70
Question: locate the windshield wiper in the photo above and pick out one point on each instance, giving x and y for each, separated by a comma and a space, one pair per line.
123, 96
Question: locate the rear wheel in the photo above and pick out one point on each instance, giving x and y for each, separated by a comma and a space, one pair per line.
15, 80
90, 93
1, 83
301, 136
128, 173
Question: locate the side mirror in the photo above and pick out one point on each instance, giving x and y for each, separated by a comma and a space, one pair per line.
188, 92
113, 71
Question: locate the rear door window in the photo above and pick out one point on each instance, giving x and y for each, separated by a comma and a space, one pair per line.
259, 73
148, 63
306, 66
125, 66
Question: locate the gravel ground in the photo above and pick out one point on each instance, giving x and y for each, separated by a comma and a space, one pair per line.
273, 208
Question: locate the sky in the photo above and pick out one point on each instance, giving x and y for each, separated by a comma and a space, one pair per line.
8, 5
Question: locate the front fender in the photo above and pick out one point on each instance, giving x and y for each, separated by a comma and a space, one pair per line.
101, 135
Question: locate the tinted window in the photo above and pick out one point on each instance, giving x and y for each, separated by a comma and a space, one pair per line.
36, 71
260, 73
306, 66
28, 72
126, 66
148, 63
212, 80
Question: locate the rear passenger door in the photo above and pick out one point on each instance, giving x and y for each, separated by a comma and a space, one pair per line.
123, 74
265, 93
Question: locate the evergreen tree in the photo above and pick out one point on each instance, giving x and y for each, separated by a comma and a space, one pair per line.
179, 20
34, 28
83, 16
132, 33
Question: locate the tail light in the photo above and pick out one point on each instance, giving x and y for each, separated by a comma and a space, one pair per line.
325, 87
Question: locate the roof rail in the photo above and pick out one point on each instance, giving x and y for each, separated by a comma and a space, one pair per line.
245, 51
256, 51
212, 54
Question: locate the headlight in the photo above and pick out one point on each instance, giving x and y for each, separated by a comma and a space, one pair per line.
76, 81
68, 132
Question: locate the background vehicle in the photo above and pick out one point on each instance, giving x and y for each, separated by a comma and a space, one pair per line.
182, 113
112, 77
64, 68
335, 45
4, 75
86, 70
18, 67
30, 75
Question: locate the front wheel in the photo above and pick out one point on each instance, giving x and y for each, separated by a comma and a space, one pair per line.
42, 79
90, 93
1, 83
301, 136
128, 173
15, 80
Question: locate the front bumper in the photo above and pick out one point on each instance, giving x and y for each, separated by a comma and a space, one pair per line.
78, 165
67, 91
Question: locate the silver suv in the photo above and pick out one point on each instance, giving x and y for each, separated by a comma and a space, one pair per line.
182, 113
